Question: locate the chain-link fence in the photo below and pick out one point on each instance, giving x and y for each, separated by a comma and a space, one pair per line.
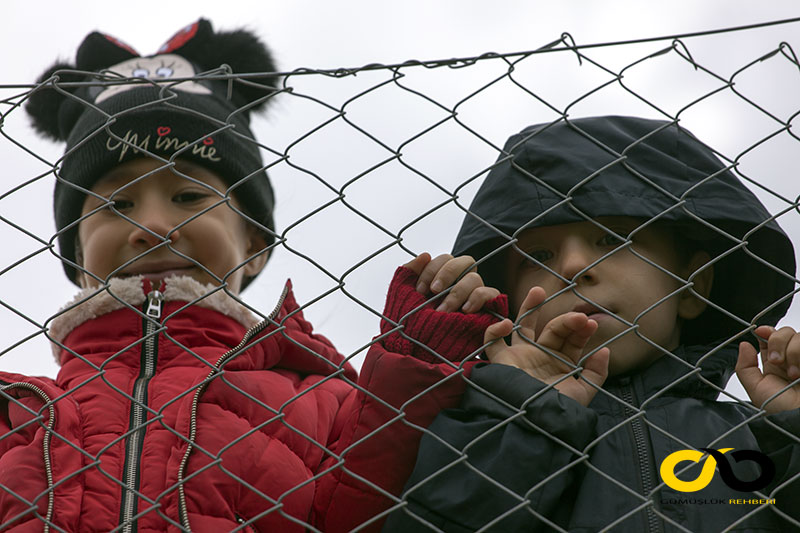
184, 406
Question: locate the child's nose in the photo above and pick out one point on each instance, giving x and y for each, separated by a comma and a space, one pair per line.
152, 225
577, 261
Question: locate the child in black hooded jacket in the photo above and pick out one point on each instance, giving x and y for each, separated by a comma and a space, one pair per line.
637, 261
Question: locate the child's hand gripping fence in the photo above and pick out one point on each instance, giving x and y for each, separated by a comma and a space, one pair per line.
370, 167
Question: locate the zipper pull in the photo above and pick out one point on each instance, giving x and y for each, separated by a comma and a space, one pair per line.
155, 301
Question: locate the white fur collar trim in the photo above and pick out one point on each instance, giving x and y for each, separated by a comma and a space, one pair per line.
128, 292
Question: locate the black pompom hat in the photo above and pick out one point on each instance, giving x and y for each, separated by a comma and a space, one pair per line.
198, 118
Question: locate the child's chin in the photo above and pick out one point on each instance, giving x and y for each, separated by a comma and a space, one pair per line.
631, 364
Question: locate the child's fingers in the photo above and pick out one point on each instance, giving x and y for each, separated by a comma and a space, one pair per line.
792, 358
777, 344
747, 367
494, 334
417, 264
460, 292
595, 368
450, 271
430, 271
568, 334
763, 334
478, 299
528, 318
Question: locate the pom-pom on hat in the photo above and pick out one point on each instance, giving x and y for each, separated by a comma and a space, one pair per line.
133, 110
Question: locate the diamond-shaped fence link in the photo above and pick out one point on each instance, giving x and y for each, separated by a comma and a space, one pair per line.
184, 406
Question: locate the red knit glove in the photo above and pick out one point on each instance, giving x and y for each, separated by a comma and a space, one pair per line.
452, 336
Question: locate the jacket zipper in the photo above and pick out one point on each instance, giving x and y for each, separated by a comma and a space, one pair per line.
230, 354
642, 455
48, 465
133, 442
246, 529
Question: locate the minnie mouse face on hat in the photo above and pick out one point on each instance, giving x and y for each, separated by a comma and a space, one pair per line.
157, 68
193, 50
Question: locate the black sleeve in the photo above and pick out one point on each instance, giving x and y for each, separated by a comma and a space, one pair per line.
778, 436
506, 458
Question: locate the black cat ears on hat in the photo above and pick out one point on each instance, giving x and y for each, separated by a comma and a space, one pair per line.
114, 105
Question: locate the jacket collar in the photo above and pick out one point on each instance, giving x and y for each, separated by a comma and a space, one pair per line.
690, 371
131, 292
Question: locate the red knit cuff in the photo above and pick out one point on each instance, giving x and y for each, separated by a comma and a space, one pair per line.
439, 335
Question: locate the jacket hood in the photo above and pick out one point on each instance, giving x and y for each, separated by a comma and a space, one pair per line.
573, 170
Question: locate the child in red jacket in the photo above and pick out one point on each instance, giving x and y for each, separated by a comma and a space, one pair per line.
176, 407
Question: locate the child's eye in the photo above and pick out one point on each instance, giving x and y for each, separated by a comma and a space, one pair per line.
120, 204
188, 197
539, 256
610, 240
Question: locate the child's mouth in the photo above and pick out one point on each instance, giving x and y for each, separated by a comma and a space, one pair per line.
594, 312
158, 272
162, 275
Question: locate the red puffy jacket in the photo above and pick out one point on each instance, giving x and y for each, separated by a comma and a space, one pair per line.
169, 414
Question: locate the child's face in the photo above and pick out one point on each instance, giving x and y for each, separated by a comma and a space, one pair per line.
219, 239
622, 283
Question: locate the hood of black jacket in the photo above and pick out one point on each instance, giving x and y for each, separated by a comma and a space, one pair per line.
573, 170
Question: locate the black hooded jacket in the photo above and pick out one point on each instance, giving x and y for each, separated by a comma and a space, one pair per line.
519, 456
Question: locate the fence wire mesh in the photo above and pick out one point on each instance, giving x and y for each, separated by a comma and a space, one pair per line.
166, 417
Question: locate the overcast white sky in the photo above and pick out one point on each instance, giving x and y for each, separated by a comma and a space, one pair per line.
328, 35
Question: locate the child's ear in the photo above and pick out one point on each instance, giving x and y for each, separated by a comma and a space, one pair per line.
255, 243
690, 306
